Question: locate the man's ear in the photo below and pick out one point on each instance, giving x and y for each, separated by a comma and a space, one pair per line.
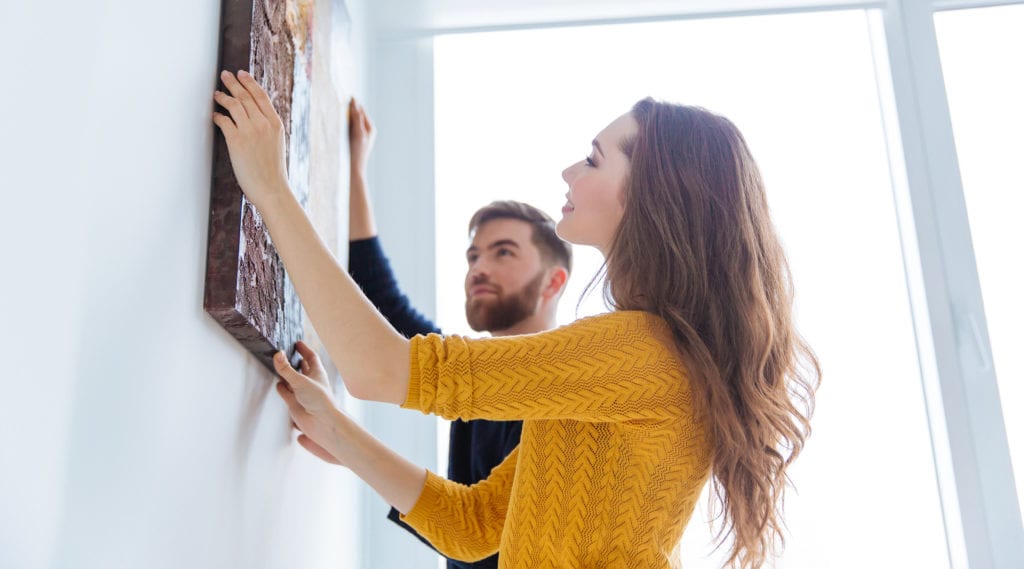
555, 284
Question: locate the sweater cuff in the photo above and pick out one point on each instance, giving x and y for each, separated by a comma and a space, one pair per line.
412, 396
430, 501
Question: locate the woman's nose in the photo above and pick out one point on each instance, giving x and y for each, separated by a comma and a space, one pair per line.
567, 173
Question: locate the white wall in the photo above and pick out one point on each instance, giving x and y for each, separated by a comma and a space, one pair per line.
135, 431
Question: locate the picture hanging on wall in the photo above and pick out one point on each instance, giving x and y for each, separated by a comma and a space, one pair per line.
247, 289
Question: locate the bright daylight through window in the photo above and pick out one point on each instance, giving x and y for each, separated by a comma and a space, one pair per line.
514, 108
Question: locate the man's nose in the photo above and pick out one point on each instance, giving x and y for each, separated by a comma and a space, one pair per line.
478, 273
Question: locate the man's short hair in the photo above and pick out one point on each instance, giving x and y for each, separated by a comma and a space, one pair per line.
552, 249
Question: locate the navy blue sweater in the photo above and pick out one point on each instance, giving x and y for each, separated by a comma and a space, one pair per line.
474, 447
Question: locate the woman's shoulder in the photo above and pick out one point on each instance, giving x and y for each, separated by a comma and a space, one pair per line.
622, 319
614, 329
617, 326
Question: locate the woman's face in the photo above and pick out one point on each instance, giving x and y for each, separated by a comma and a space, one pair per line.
596, 200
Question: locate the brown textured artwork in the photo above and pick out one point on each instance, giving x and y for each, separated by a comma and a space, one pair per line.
247, 290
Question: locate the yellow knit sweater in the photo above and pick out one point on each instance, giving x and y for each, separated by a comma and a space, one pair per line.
612, 457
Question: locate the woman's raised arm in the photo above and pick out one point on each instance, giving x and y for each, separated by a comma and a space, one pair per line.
371, 356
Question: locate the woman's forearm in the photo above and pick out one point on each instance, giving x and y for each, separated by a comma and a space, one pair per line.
397, 480
372, 358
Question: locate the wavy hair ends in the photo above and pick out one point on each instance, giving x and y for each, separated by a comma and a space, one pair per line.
697, 247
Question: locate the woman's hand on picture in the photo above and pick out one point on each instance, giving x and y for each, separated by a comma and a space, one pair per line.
330, 434
255, 137
310, 403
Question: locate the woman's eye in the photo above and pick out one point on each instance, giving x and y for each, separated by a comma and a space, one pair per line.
590, 162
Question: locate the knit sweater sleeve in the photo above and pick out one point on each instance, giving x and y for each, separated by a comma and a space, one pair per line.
613, 367
464, 522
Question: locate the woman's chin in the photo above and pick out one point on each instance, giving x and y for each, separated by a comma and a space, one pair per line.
564, 228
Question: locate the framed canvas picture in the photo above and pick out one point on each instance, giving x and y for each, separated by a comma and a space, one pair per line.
247, 289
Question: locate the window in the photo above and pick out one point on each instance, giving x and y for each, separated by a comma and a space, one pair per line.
982, 56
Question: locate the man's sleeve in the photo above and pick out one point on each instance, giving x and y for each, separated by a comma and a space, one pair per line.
371, 270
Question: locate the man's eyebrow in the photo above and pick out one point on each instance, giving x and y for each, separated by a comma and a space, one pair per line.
502, 243
495, 245
597, 145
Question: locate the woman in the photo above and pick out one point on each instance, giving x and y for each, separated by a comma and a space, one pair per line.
697, 372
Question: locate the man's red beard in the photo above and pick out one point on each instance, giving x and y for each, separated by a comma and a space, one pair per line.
504, 311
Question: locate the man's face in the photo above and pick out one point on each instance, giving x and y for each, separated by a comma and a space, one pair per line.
505, 276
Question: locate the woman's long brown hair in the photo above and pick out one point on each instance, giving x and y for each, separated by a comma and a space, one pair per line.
697, 247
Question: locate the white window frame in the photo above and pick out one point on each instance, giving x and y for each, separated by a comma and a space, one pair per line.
978, 494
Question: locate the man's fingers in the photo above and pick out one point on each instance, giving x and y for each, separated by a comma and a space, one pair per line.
258, 93
239, 92
355, 120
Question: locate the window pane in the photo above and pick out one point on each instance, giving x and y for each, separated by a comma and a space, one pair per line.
982, 56
514, 108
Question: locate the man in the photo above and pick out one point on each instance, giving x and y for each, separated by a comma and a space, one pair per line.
517, 272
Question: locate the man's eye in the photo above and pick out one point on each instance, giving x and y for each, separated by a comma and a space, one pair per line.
504, 252
471, 259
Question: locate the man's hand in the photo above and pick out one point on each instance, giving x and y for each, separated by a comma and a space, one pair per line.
361, 135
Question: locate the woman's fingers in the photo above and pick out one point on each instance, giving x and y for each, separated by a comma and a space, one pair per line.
258, 94
225, 124
233, 106
284, 369
311, 365
294, 407
308, 354
308, 391
239, 92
